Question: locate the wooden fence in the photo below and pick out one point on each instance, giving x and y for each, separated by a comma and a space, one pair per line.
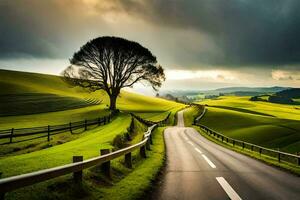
15, 182
279, 155
148, 122
47, 131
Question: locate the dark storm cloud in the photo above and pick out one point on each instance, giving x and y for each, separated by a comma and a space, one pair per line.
42, 29
242, 32
249, 32
20, 33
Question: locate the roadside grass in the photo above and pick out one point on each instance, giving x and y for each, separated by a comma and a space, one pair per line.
265, 158
189, 115
124, 184
144, 172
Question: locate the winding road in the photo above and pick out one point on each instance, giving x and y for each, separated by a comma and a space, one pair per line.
200, 169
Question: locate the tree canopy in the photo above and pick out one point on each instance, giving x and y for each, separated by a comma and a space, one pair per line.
112, 63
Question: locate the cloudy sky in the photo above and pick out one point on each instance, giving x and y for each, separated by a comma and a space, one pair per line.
202, 44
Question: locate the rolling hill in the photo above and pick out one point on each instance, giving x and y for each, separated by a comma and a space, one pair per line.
32, 99
263, 123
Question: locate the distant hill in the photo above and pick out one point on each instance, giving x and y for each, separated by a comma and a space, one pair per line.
252, 89
293, 93
236, 91
289, 96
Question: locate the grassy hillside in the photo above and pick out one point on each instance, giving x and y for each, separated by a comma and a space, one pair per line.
267, 124
277, 110
32, 103
29, 99
32, 100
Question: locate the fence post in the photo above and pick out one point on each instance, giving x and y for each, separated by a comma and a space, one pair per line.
150, 138
98, 121
128, 160
70, 128
233, 142
77, 176
251, 147
105, 167
227, 140
298, 161
11, 135
48, 138
148, 145
243, 145
260, 151
85, 124
2, 195
222, 138
278, 156
143, 151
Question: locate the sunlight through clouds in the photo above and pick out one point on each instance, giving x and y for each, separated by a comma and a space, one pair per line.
217, 75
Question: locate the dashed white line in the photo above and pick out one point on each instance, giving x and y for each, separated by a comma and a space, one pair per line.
212, 165
198, 150
190, 143
228, 189
208, 161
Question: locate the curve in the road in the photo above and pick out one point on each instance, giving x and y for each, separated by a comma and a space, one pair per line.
200, 169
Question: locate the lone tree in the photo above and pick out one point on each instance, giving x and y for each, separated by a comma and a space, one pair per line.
112, 63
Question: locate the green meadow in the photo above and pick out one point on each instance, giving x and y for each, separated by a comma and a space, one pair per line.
28, 100
267, 124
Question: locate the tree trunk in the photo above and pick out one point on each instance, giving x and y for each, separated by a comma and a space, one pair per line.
113, 101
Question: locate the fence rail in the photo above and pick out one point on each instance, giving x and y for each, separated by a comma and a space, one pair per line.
15, 182
148, 122
47, 131
279, 155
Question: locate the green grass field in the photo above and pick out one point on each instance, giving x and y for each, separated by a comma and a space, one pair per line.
271, 125
31, 100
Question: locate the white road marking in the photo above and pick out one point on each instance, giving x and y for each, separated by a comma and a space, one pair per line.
198, 150
208, 161
228, 189
190, 143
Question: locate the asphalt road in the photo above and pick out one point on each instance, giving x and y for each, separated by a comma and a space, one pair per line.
200, 169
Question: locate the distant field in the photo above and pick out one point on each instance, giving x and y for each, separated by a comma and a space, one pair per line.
277, 110
267, 124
